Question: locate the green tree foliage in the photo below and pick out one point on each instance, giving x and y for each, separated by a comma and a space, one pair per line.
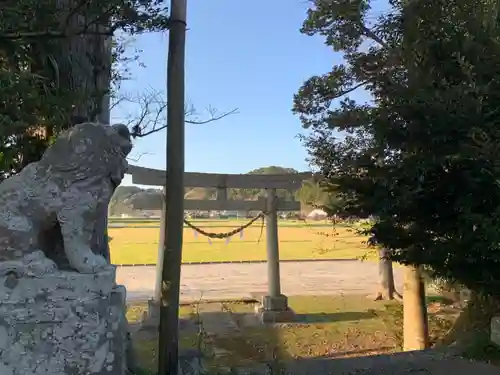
314, 193
253, 194
38, 97
423, 154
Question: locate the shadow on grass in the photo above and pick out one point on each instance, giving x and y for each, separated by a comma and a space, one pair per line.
334, 317
416, 363
232, 334
439, 299
326, 328
347, 316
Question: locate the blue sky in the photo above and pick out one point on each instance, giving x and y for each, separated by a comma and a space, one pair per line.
239, 54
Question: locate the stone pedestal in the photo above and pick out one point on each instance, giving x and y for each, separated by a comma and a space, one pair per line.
275, 310
62, 323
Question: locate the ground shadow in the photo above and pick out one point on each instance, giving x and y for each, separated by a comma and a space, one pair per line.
236, 339
416, 363
188, 326
251, 318
244, 342
438, 299
358, 352
334, 317
244, 318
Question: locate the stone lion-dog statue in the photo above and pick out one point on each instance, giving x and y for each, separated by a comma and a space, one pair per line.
59, 204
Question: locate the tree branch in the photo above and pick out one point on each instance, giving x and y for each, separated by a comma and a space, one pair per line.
51, 34
351, 89
391, 59
138, 157
370, 34
150, 113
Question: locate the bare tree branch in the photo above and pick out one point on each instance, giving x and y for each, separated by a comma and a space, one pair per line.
351, 89
147, 113
391, 59
138, 157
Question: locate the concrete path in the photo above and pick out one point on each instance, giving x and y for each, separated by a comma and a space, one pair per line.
237, 280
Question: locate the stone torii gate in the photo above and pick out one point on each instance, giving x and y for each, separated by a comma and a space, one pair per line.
274, 305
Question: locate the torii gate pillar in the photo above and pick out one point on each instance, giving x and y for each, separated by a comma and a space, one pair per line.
274, 306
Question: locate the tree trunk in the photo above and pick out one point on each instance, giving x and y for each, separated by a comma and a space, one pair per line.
83, 70
415, 325
84, 65
387, 290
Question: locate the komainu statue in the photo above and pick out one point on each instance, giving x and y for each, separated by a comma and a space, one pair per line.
58, 205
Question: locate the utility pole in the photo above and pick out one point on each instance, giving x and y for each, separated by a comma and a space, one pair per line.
168, 347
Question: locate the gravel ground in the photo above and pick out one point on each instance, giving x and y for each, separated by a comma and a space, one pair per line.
237, 280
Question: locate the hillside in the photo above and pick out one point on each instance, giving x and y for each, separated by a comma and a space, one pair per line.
129, 198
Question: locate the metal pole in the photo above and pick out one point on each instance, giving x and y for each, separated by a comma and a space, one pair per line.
168, 348
272, 245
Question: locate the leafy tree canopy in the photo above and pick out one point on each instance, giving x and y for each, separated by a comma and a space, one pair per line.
40, 92
422, 156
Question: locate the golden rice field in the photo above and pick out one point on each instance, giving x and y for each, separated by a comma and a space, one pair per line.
137, 242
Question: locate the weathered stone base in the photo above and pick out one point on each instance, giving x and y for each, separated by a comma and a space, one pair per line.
275, 310
61, 323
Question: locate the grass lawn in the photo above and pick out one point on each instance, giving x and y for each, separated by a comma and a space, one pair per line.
339, 326
137, 243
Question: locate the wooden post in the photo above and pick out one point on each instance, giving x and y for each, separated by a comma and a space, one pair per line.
168, 347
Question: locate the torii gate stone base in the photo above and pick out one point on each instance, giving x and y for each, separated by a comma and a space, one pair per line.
274, 306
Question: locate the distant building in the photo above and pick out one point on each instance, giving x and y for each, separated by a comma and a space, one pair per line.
317, 214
